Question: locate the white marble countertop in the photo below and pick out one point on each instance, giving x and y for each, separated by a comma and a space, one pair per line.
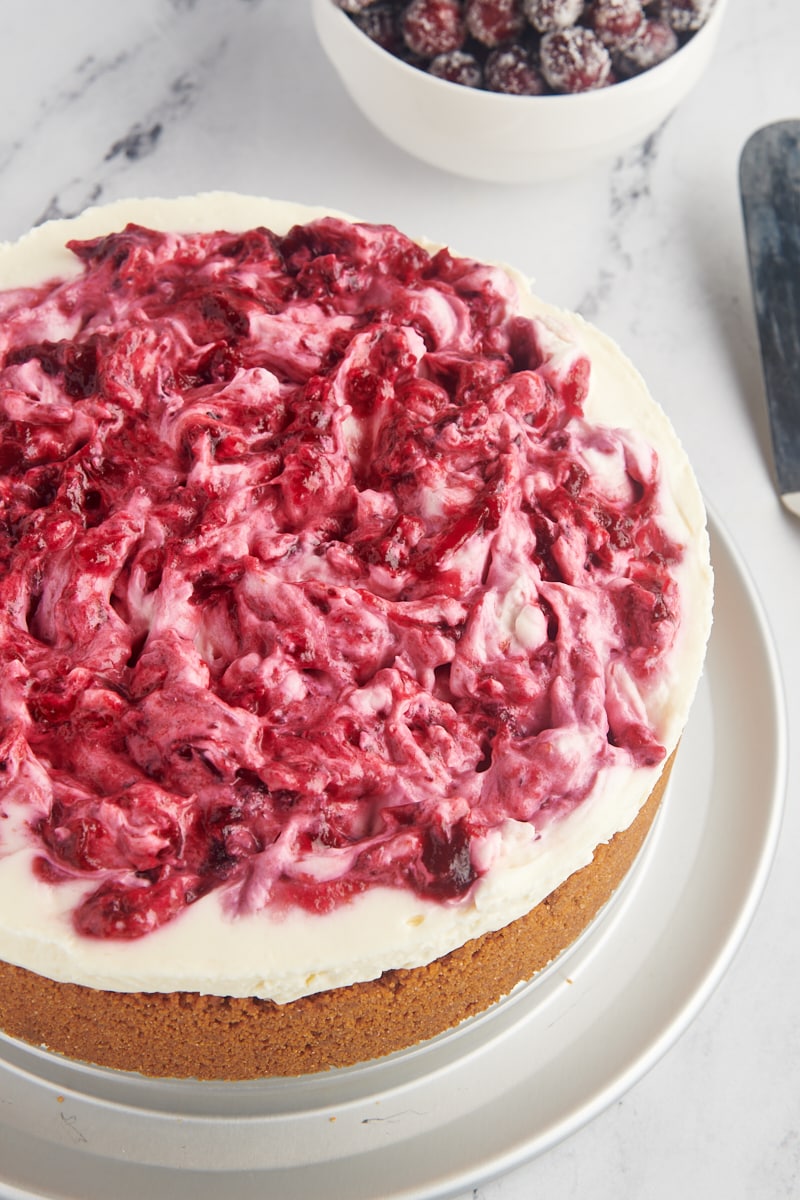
165, 97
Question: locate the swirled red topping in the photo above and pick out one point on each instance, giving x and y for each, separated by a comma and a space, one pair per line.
312, 572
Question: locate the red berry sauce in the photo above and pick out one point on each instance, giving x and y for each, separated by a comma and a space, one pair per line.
263, 504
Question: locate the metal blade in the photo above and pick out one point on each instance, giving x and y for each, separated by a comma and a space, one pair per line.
769, 179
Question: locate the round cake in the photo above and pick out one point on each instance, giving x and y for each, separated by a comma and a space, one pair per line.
352, 605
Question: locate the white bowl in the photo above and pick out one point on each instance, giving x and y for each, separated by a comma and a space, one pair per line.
506, 139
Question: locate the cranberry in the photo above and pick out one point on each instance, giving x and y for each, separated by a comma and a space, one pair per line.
222, 313
575, 60
457, 66
432, 27
380, 22
686, 16
493, 22
76, 362
616, 22
654, 42
218, 364
129, 912
548, 15
446, 857
511, 69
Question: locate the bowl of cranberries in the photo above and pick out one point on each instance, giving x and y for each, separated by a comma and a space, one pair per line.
518, 90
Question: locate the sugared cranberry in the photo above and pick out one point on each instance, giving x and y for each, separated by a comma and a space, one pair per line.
493, 22
686, 16
616, 21
654, 42
380, 22
511, 69
432, 27
353, 6
457, 66
548, 15
575, 60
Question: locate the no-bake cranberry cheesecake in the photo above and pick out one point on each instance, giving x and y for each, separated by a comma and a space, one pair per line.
352, 602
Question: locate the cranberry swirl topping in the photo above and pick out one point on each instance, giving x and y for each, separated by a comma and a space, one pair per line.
312, 572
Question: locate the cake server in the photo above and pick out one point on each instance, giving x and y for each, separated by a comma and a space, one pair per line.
769, 180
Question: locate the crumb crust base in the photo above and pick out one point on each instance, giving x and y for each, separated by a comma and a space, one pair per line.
189, 1035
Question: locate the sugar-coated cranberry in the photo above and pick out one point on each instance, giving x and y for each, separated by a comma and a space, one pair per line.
686, 16
432, 27
353, 6
615, 21
493, 22
380, 22
457, 66
548, 15
654, 42
575, 60
512, 70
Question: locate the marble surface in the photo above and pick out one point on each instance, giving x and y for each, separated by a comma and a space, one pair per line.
100, 101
